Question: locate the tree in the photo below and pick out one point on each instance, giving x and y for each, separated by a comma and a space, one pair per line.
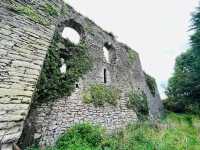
184, 86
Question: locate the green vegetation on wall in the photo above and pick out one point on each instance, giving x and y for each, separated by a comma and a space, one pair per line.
53, 84
131, 56
30, 13
99, 94
33, 13
151, 83
138, 102
50, 9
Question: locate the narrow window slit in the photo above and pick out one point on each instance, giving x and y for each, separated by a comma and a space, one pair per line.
77, 86
105, 77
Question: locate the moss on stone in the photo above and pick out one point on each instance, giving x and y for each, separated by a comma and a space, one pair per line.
131, 55
31, 13
99, 94
50, 9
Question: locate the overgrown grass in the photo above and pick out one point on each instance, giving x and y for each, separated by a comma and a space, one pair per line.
99, 94
174, 132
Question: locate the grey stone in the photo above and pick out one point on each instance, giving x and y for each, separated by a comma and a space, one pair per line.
23, 50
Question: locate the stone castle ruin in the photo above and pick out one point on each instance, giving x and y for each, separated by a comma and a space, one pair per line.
45, 78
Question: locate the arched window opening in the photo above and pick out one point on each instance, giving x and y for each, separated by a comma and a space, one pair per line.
105, 75
71, 34
109, 53
63, 67
106, 54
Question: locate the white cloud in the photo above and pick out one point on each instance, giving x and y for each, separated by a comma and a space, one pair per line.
157, 29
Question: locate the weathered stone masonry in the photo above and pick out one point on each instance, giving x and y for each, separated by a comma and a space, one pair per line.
23, 48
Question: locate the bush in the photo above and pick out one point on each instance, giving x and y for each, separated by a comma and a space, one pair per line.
181, 106
81, 136
138, 102
99, 94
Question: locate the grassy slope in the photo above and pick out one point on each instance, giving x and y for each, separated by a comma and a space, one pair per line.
175, 132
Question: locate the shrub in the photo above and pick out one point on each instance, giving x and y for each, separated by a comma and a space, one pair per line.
181, 106
138, 101
99, 94
81, 136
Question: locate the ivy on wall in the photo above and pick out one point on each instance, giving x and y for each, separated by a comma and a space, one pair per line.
53, 84
137, 101
99, 94
151, 83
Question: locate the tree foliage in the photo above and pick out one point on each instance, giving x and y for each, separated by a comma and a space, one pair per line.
184, 86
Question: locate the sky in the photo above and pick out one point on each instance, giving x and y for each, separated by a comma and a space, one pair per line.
156, 29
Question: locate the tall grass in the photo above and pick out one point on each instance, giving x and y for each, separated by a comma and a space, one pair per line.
174, 132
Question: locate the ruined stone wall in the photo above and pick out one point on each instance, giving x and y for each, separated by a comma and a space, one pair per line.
23, 47
52, 119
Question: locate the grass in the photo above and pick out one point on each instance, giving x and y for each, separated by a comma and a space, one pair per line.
174, 132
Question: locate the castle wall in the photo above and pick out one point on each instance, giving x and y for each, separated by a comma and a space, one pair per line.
24, 44
52, 119
23, 47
